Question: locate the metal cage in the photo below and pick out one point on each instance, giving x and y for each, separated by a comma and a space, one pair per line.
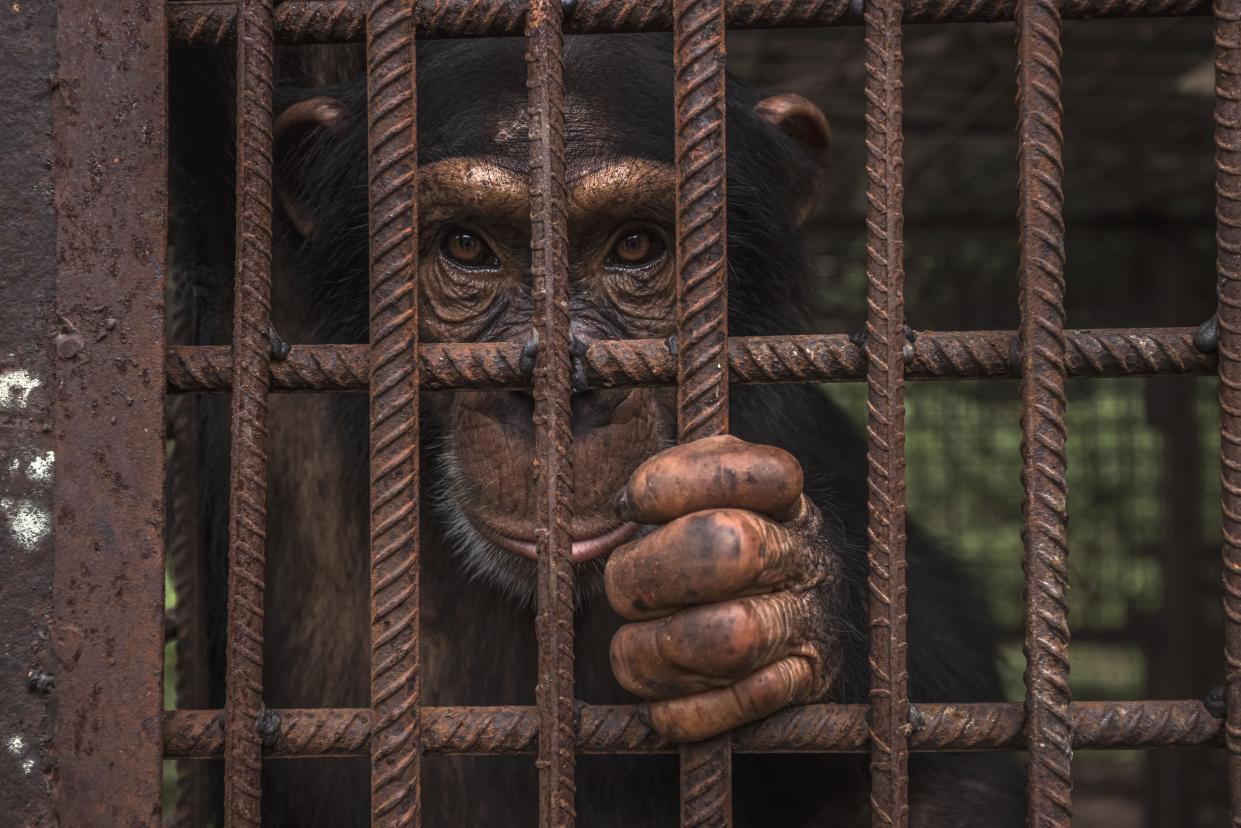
111, 375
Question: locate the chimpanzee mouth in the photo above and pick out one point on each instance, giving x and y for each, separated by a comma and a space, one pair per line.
583, 549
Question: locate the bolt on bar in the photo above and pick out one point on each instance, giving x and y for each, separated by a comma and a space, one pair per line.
1041, 263
885, 428
396, 742
251, 367
549, 264
702, 311
1228, 263
335, 21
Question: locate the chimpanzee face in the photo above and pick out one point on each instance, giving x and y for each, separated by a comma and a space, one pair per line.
476, 286
474, 269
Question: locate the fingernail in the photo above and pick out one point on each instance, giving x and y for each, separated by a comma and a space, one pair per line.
623, 509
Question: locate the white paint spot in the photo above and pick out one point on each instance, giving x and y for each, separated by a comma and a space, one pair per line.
16, 745
27, 520
40, 468
27, 766
15, 388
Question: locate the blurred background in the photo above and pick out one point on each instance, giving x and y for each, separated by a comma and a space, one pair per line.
1144, 530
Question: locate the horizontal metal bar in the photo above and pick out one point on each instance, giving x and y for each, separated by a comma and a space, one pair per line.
618, 729
1113, 352
193, 23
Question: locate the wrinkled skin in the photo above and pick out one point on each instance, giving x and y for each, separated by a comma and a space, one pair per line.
730, 599
717, 582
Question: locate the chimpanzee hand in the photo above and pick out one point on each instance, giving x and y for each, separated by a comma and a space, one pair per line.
731, 598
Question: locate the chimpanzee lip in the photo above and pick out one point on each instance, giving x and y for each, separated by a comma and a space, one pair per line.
584, 549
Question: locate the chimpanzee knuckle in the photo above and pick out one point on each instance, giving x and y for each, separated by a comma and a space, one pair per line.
715, 640
633, 664
622, 584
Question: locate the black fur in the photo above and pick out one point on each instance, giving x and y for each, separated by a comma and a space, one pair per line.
619, 103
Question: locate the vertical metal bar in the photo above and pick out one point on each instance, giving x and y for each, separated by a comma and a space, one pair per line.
885, 427
552, 463
702, 312
396, 740
109, 169
248, 473
1041, 262
1228, 265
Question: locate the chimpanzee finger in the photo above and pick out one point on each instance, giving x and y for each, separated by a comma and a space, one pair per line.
703, 715
701, 558
713, 473
709, 646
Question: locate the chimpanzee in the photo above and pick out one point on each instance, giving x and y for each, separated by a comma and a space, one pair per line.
719, 581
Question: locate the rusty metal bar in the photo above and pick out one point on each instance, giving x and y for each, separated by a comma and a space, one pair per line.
396, 790
553, 470
885, 424
107, 516
619, 729
1228, 263
1041, 264
1121, 352
193, 24
248, 473
702, 311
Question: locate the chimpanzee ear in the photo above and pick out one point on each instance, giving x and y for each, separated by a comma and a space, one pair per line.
806, 124
291, 126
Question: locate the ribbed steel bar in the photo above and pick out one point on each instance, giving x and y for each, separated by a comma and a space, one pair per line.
549, 264
885, 424
1044, 505
619, 729
248, 472
396, 744
1228, 262
1121, 352
335, 21
702, 311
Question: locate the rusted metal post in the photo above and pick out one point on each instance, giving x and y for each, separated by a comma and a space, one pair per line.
549, 263
1228, 265
1044, 506
885, 426
702, 312
248, 473
396, 741
109, 167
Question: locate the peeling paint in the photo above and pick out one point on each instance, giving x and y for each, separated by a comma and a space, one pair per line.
28, 521
15, 388
40, 468
16, 745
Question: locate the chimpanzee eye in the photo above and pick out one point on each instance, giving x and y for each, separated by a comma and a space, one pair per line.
465, 248
636, 248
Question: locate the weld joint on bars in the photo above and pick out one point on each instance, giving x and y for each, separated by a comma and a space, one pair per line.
1113, 352
197, 24
810, 729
